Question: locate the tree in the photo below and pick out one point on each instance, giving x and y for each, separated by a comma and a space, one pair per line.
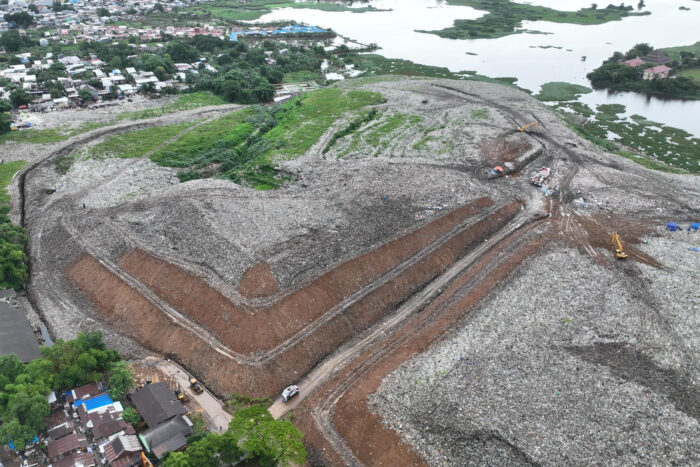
85, 94
11, 41
131, 417
203, 453
30, 410
5, 122
5, 105
272, 441
180, 52
121, 380
20, 19
13, 265
16, 433
102, 12
177, 459
20, 97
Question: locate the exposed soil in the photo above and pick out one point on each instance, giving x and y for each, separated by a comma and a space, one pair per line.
503, 149
247, 329
258, 281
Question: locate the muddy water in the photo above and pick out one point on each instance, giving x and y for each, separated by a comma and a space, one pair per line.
522, 55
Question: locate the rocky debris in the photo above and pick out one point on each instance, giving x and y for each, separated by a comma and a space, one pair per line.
568, 363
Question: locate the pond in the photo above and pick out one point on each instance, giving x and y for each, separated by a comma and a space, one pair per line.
534, 59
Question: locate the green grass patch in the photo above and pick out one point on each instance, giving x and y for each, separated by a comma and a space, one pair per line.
136, 143
675, 52
559, 91
304, 119
7, 171
34, 136
377, 137
351, 128
505, 17
229, 131
480, 114
300, 76
183, 102
692, 73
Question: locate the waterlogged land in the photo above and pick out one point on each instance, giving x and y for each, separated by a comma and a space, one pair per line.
646, 142
233, 10
505, 17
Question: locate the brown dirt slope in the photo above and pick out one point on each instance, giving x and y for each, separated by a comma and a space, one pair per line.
258, 281
245, 332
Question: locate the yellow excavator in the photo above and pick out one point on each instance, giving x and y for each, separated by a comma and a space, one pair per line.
522, 128
617, 245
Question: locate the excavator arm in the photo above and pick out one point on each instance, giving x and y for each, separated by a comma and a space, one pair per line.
617, 245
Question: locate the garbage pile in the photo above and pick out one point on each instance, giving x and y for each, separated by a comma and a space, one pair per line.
540, 176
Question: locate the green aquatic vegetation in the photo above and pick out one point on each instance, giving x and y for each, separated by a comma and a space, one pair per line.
559, 91
652, 144
505, 17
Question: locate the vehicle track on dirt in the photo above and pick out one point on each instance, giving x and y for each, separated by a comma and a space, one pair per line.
347, 352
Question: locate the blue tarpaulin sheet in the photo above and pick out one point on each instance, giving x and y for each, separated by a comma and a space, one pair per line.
672, 226
99, 401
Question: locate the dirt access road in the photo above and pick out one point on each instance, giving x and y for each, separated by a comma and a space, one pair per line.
214, 413
340, 359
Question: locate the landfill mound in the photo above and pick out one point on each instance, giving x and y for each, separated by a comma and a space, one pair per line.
383, 241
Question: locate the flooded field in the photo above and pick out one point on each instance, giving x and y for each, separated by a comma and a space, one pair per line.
554, 53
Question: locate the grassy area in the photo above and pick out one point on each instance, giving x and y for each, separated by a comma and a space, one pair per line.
648, 143
55, 135
230, 130
136, 143
480, 114
183, 102
693, 73
7, 170
34, 136
505, 17
558, 91
300, 76
675, 52
306, 118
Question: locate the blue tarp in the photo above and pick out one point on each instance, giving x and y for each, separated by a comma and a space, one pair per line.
672, 226
694, 226
99, 401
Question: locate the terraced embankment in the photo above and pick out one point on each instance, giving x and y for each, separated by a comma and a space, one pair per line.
385, 287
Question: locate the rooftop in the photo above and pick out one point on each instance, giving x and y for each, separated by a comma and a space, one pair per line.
157, 403
16, 336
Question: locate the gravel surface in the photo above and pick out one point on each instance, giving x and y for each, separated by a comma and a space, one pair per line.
570, 363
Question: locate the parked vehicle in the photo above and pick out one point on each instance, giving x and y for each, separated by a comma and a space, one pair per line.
290, 392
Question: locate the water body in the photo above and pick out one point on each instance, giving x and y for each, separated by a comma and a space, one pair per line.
520, 55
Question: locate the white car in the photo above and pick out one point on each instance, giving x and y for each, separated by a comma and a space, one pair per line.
290, 392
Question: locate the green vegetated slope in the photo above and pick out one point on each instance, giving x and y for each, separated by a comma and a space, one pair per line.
505, 17
55, 135
13, 238
253, 9
648, 143
242, 146
559, 91
675, 52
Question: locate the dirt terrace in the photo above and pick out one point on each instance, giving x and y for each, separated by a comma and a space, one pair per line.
249, 330
117, 302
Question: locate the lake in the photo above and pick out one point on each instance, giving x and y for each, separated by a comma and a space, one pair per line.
522, 55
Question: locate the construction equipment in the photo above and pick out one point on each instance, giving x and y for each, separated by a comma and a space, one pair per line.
144, 460
522, 128
196, 387
615, 240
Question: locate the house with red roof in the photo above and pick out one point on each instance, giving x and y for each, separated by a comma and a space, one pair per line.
660, 71
634, 62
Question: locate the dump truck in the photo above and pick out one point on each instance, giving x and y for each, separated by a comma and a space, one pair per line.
289, 392
195, 386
